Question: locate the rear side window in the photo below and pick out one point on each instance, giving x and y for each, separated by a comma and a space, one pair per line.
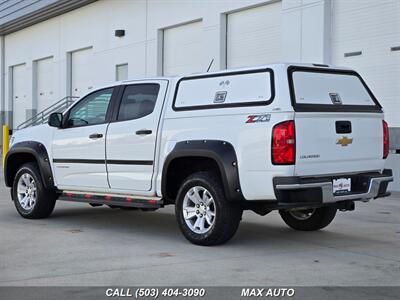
138, 101
225, 90
330, 89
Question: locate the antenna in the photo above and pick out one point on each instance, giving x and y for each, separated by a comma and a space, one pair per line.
209, 67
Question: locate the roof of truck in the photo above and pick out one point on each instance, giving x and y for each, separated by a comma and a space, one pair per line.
272, 66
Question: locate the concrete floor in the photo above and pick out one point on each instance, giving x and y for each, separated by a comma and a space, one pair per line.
81, 245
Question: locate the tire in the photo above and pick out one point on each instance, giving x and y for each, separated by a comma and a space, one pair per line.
227, 215
316, 219
44, 200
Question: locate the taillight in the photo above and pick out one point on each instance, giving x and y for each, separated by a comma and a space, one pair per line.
385, 139
284, 143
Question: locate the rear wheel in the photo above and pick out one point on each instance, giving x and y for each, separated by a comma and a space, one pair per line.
204, 215
31, 199
308, 219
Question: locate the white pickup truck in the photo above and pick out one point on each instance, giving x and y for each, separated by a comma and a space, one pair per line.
306, 140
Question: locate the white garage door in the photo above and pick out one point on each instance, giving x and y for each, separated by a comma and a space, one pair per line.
45, 83
20, 101
364, 35
182, 51
254, 36
82, 77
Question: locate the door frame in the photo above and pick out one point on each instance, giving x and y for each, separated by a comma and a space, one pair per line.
113, 101
156, 154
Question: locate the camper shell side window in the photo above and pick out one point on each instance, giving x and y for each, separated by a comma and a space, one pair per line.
225, 90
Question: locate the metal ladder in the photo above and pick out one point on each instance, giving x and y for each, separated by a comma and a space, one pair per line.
43, 116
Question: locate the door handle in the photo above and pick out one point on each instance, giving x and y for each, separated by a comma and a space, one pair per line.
96, 136
144, 132
343, 127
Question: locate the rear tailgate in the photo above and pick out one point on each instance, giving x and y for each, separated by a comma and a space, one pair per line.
322, 149
338, 122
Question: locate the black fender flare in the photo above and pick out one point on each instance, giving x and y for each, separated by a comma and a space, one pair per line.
39, 152
222, 152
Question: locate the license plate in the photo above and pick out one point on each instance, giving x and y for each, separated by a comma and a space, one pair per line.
341, 185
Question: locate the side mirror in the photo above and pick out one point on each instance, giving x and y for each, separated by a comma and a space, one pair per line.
55, 120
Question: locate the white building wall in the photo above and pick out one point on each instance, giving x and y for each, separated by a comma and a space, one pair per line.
183, 47
306, 30
369, 29
142, 47
254, 35
308, 34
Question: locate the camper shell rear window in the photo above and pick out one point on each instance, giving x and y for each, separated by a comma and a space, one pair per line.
317, 89
231, 89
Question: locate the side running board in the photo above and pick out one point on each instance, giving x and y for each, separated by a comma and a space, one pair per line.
117, 200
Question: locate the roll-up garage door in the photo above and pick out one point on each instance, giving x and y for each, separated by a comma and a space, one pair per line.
182, 49
366, 37
45, 83
82, 77
21, 103
254, 36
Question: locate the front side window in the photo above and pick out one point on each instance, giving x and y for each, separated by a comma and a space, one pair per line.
91, 110
138, 101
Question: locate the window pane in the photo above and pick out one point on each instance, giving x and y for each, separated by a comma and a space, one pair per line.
330, 88
91, 110
227, 89
122, 72
138, 101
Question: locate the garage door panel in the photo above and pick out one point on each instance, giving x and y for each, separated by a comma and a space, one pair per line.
45, 83
375, 18
372, 27
182, 49
254, 36
21, 103
81, 72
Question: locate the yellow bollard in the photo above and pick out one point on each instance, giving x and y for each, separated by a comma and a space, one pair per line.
6, 139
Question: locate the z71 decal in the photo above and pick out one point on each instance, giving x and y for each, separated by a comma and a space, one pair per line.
258, 118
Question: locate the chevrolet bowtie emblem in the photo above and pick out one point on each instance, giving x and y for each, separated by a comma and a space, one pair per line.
344, 141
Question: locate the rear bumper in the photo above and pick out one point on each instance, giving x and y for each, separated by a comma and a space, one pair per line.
298, 191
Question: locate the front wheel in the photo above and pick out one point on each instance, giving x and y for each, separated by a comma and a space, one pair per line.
204, 215
32, 200
308, 219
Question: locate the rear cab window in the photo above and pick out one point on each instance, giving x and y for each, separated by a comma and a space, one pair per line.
315, 89
225, 90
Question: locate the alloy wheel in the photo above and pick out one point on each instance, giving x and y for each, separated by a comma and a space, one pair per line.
26, 191
199, 210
